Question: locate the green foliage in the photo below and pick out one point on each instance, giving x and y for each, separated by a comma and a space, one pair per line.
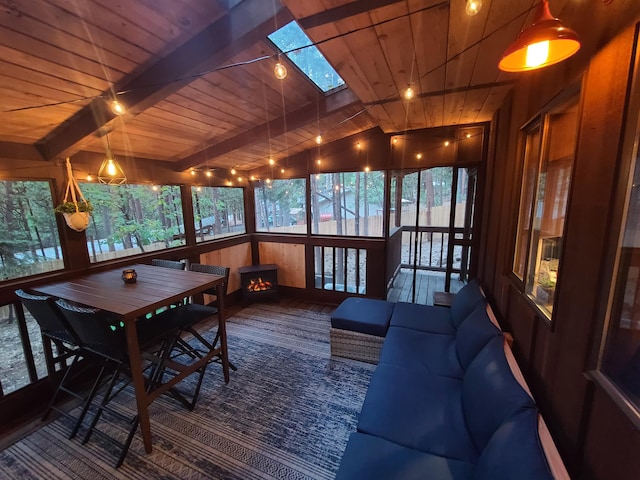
70, 207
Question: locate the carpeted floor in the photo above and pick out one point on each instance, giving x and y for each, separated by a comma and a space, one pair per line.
286, 414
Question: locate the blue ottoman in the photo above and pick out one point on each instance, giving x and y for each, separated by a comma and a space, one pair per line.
358, 328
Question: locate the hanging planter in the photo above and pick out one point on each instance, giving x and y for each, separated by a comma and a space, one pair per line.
75, 208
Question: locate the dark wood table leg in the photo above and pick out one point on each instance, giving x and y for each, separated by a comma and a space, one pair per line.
135, 363
222, 328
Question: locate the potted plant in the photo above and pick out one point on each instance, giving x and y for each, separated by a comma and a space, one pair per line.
77, 215
77, 210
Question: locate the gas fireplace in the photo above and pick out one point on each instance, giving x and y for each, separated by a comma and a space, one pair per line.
258, 282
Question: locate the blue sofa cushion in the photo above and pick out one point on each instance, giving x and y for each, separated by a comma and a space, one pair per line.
429, 352
490, 393
473, 334
364, 315
425, 318
417, 410
514, 451
372, 458
465, 301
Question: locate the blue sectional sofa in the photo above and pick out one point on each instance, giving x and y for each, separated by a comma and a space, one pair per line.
443, 402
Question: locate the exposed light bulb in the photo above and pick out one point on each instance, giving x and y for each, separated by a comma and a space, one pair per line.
366, 169
111, 168
280, 71
537, 54
409, 93
282, 170
268, 180
473, 7
208, 174
252, 178
319, 139
233, 171
272, 161
118, 108
239, 179
446, 143
89, 178
154, 188
418, 156
193, 172
199, 189
317, 176
468, 135
318, 161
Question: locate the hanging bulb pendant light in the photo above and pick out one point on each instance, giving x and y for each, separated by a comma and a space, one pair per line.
545, 42
111, 172
280, 71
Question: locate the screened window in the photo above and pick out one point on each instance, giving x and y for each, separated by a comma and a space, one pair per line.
620, 355
131, 219
548, 165
347, 203
218, 212
281, 206
29, 239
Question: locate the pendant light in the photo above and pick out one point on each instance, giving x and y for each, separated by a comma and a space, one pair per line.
545, 42
111, 172
280, 71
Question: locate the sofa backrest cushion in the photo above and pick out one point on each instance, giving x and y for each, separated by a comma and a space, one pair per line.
490, 393
465, 301
514, 451
473, 334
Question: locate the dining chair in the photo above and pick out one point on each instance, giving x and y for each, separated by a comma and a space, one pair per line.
160, 262
190, 314
104, 340
56, 331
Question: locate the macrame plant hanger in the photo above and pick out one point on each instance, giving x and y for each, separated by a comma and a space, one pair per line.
78, 220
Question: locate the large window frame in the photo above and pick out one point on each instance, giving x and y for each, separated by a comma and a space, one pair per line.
548, 165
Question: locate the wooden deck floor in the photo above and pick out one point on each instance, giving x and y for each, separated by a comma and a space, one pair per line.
427, 283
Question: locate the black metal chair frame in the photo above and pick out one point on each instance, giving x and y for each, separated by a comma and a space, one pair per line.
104, 342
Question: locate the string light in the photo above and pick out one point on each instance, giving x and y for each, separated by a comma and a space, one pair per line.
409, 93
467, 135
233, 171
154, 188
89, 178
252, 178
319, 139
418, 156
272, 161
319, 162
473, 7
446, 143
208, 174
282, 170
280, 71
118, 108
366, 169
193, 172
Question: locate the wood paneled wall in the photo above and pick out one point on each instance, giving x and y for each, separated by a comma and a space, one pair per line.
556, 357
290, 258
233, 257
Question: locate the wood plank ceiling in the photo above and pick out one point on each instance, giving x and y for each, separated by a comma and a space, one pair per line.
61, 61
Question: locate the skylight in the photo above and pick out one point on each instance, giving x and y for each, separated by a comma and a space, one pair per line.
309, 60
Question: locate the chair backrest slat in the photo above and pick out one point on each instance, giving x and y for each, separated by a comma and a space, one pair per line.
159, 262
214, 270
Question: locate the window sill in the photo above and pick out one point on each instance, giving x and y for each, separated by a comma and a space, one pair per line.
630, 410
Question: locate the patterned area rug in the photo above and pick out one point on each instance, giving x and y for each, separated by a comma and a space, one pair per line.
286, 414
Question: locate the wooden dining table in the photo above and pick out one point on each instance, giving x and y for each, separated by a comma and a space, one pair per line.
155, 287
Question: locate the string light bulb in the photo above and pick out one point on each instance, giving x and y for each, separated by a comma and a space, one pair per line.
208, 174
473, 7
367, 169
272, 161
319, 139
89, 178
280, 71
117, 108
282, 170
233, 171
409, 93
192, 172
418, 156
446, 143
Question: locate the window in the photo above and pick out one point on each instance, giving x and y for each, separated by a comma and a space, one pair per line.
291, 40
131, 219
29, 239
281, 206
347, 203
549, 150
218, 212
620, 353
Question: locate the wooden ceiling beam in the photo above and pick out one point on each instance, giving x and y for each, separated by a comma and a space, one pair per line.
343, 11
19, 151
328, 105
244, 25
